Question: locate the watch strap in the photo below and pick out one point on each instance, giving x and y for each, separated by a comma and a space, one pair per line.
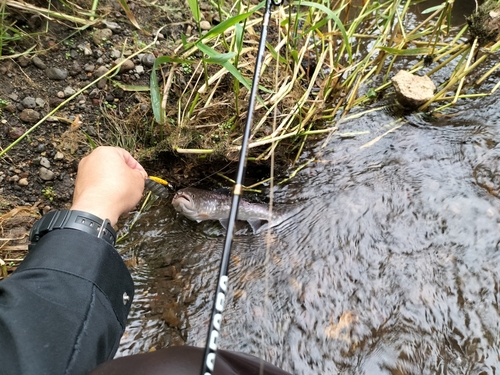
73, 219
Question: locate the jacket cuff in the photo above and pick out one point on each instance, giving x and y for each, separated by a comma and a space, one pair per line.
87, 257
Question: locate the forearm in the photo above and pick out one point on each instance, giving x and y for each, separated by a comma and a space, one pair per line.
63, 310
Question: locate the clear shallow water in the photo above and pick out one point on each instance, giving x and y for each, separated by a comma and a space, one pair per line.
390, 264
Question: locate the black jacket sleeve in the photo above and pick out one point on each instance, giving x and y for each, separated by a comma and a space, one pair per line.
64, 309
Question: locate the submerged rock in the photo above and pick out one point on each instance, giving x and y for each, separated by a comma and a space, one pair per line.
411, 90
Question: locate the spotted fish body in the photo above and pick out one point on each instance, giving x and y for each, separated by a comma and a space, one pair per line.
201, 205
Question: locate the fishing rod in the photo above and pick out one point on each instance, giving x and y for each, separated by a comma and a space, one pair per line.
222, 282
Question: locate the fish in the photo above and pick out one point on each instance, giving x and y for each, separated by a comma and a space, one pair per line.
200, 205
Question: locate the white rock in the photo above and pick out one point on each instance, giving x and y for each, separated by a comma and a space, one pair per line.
59, 156
205, 25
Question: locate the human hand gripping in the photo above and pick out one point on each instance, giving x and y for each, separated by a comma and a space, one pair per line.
109, 183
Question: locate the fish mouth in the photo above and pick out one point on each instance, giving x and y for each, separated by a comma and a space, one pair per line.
183, 202
181, 195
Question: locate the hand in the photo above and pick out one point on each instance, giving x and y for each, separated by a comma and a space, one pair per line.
109, 183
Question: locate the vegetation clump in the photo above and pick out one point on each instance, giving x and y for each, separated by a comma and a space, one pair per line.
484, 24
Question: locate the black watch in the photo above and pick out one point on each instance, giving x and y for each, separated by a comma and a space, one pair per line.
72, 219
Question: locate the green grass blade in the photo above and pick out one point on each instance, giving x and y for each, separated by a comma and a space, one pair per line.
227, 65
155, 89
329, 15
195, 10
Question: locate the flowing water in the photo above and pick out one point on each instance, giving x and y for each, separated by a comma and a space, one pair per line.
389, 264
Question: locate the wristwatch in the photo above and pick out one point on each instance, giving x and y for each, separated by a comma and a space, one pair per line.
72, 219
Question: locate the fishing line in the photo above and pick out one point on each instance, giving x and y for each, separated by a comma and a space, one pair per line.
223, 279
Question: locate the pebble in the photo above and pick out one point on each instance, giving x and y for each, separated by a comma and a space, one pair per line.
59, 156
23, 182
29, 102
24, 61
10, 108
126, 66
38, 63
205, 25
85, 48
40, 148
101, 35
15, 132
113, 26
29, 115
115, 54
101, 71
56, 74
13, 96
89, 67
148, 59
54, 102
101, 84
44, 162
68, 91
52, 119
40, 102
75, 68
46, 174
139, 69
60, 94
99, 61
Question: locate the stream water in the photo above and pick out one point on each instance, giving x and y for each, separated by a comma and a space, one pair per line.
389, 265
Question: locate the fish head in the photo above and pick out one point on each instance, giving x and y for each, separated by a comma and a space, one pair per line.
184, 202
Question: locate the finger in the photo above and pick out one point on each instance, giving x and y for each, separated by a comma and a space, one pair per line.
134, 164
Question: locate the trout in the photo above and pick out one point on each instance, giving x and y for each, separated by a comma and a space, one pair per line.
200, 205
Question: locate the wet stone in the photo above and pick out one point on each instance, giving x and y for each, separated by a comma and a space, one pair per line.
29, 115
56, 74
29, 102
38, 63
46, 174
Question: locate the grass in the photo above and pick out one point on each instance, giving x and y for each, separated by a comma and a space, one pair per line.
324, 60
326, 52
